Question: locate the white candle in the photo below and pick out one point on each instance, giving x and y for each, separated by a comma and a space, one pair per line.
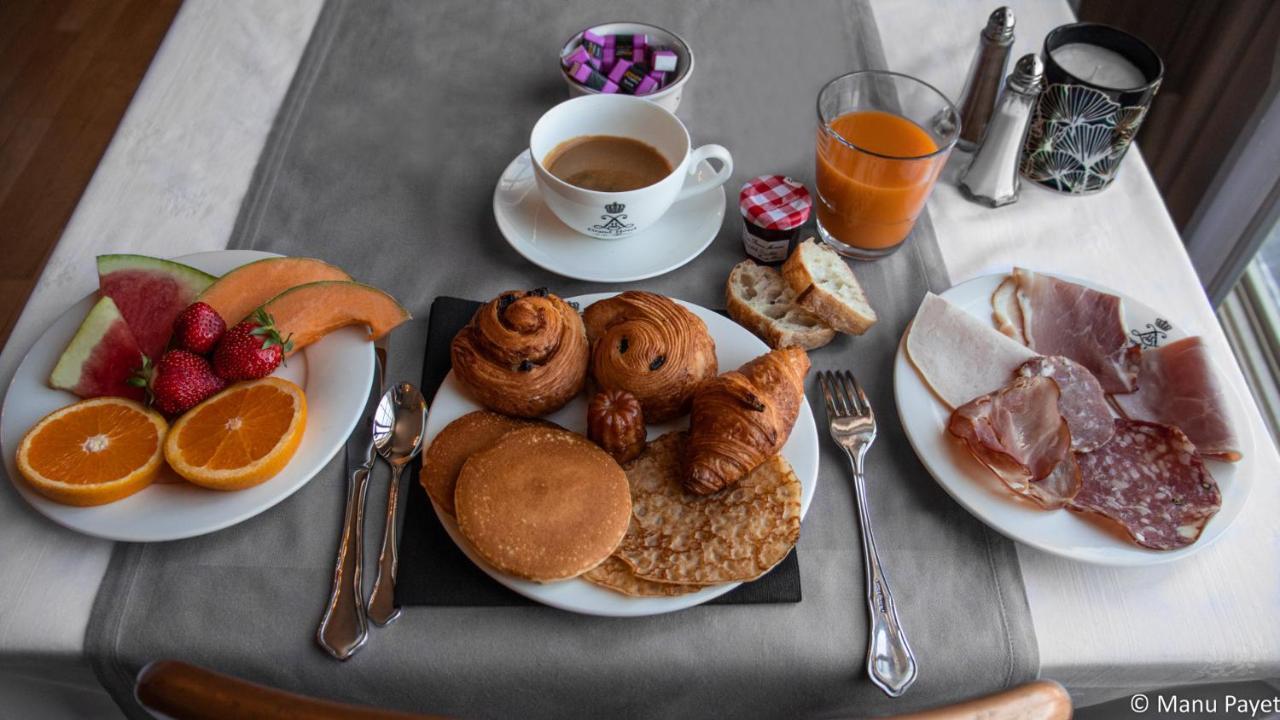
1098, 65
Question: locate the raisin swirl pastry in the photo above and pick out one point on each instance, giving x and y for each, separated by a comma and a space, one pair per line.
651, 347
523, 353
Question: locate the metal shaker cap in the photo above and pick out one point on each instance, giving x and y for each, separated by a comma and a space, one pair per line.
1028, 74
1000, 25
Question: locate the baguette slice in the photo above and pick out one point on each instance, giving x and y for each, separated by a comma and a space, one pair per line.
825, 286
758, 299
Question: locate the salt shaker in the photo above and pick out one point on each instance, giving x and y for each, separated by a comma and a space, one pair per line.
983, 83
992, 177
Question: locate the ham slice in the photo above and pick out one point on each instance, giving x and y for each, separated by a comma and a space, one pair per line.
1082, 403
1020, 435
1151, 481
1178, 385
960, 356
1069, 319
1005, 310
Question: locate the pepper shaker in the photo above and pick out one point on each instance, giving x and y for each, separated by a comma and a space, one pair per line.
992, 177
990, 63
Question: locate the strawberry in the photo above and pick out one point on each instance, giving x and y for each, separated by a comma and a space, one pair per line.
250, 350
180, 381
198, 328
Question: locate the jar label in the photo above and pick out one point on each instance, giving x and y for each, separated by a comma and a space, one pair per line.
766, 251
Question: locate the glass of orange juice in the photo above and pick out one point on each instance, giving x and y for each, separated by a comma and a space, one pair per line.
883, 138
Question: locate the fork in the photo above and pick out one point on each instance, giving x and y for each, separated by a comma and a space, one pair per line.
890, 662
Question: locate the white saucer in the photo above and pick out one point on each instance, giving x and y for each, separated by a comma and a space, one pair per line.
537, 234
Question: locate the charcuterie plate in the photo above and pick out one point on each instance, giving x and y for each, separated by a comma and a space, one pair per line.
1060, 532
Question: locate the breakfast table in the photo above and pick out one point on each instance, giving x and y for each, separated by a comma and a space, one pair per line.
172, 183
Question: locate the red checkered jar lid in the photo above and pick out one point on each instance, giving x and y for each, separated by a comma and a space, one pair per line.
775, 202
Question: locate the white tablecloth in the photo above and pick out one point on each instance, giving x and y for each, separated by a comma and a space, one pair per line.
171, 183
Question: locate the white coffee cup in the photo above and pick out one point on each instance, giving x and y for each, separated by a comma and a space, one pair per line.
614, 215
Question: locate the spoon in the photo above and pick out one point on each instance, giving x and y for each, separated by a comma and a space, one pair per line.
397, 434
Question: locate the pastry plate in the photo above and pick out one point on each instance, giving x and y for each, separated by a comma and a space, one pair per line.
335, 372
1060, 532
734, 346
536, 233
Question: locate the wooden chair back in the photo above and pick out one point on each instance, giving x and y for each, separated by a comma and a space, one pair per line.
175, 690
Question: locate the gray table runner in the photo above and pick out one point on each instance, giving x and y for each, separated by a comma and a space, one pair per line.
383, 160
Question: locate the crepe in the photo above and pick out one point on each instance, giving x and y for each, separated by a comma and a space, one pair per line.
734, 535
617, 576
543, 504
959, 356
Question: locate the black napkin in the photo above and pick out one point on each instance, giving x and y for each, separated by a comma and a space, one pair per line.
433, 571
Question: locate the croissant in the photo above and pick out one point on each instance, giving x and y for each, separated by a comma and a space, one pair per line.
522, 354
742, 418
651, 347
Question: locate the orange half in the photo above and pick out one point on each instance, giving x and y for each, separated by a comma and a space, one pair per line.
93, 452
240, 437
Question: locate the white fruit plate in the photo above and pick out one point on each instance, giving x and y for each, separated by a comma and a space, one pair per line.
335, 373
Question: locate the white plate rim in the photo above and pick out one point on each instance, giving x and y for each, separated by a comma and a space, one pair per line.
514, 238
322, 439
804, 453
955, 471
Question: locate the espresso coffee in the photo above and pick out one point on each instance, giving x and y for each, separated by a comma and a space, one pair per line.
607, 163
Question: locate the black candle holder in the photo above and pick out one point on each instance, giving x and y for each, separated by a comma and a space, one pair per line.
1080, 131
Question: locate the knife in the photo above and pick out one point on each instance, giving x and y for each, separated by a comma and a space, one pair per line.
345, 626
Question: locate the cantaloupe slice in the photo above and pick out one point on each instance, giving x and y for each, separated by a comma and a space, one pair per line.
309, 312
246, 288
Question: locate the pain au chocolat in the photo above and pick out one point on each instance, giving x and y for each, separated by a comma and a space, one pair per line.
651, 347
523, 353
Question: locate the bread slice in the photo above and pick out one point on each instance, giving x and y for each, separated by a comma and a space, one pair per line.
761, 301
825, 286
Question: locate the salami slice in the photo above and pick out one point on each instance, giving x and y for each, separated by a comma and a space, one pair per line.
1082, 403
1149, 479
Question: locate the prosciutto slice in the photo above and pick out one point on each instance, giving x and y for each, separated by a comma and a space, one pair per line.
1151, 481
1082, 403
1069, 319
1177, 385
1020, 435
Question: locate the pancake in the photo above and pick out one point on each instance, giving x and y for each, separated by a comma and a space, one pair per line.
736, 534
543, 504
616, 575
458, 441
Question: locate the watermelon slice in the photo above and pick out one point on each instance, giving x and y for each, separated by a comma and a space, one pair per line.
150, 293
101, 357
